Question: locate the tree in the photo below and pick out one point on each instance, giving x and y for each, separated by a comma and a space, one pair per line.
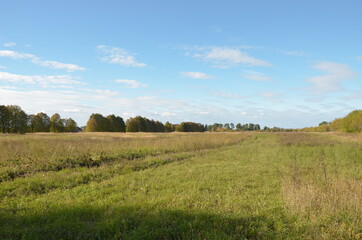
97, 123
216, 127
353, 122
116, 123
40, 123
169, 127
112, 123
56, 123
4, 118
190, 127
137, 124
323, 123
239, 126
18, 119
142, 124
232, 126
71, 125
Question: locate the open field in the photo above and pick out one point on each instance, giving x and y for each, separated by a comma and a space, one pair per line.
181, 186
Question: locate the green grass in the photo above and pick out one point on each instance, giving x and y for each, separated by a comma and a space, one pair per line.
184, 186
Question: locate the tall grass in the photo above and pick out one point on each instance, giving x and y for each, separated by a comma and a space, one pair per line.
22, 155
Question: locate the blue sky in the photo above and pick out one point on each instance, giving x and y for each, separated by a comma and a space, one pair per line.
277, 63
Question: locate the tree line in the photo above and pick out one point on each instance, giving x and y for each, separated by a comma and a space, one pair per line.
14, 120
352, 123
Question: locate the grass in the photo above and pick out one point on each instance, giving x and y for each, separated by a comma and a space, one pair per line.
181, 186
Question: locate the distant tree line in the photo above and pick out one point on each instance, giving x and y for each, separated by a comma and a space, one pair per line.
351, 123
218, 127
14, 120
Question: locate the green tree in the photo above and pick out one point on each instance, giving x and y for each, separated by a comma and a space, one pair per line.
18, 119
323, 123
353, 122
169, 127
4, 118
56, 123
71, 125
97, 123
40, 123
239, 126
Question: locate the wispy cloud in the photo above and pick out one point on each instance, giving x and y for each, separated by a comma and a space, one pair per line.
226, 57
59, 65
37, 60
359, 58
256, 76
16, 55
44, 81
131, 83
336, 73
118, 56
2, 67
9, 44
196, 75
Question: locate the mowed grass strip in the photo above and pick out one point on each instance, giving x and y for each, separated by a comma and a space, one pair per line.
248, 190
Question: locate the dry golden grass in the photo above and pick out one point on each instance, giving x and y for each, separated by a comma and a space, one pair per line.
327, 205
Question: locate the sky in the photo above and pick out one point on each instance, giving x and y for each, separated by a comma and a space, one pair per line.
282, 63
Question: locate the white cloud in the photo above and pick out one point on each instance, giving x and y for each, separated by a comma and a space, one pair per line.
118, 56
256, 76
16, 55
45, 63
59, 65
37, 79
131, 83
359, 58
225, 57
9, 44
336, 73
168, 114
196, 75
2, 67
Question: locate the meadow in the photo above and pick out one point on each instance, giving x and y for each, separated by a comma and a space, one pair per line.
237, 185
